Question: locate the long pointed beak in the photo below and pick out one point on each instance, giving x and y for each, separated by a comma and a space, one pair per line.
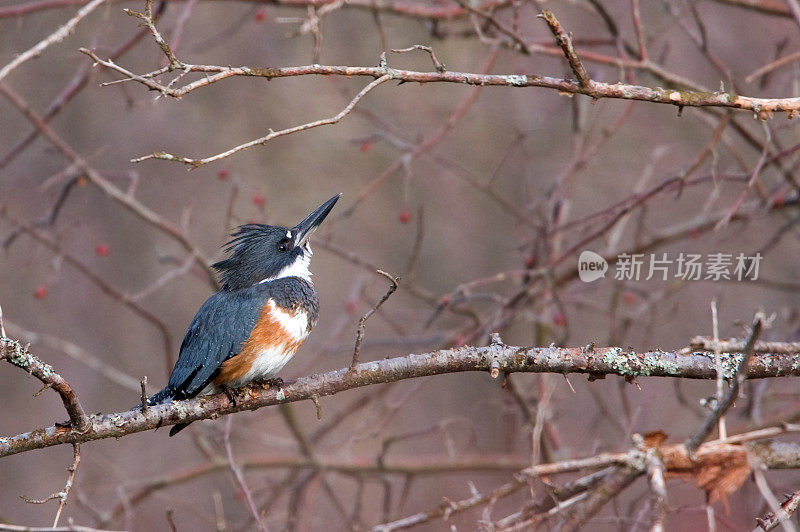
304, 229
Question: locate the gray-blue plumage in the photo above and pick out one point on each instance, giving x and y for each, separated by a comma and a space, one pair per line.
267, 266
223, 324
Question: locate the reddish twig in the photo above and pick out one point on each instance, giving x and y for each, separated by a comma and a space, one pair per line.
774, 519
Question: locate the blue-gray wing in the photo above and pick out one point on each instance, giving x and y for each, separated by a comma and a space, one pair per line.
216, 333
222, 325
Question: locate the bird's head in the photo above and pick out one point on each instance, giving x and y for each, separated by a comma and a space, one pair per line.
260, 253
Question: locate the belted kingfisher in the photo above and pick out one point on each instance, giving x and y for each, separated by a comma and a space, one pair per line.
253, 326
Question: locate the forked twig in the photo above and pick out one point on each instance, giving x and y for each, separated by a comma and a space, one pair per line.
362, 323
195, 163
436, 64
694, 441
564, 40
64, 493
18, 355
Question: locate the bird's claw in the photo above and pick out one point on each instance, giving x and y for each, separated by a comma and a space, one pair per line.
231, 393
269, 383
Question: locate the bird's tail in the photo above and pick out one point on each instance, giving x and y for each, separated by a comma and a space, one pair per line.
165, 395
161, 396
177, 428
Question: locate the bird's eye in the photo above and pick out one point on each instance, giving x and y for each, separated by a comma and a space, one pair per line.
283, 245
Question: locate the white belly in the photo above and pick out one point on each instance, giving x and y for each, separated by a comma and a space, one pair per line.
269, 361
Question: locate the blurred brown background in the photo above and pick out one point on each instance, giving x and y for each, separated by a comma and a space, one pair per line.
525, 142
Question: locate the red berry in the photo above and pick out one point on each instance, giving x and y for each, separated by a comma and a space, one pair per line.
259, 200
559, 320
405, 216
629, 298
365, 146
779, 200
101, 250
223, 175
351, 305
41, 292
445, 300
261, 15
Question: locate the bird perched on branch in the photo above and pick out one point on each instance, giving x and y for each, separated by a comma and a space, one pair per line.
251, 328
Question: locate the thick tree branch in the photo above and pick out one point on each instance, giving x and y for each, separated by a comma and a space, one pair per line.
15, 353
507, 359
596, 89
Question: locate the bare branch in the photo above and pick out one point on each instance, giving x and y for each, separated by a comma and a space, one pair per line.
237, 473
63, 494
733, 393
194, 163
15, 353
772, 520
565, 42
762, 107
436, 64
57, 36
362, 323
147, 18
414, 10
508, 359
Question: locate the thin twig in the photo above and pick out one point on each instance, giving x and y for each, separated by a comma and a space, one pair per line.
237, 473
637, 24
718, 365
63, 494
362, 323
147, 18
654, 464
769, 497
615, 482
772, 66
436, 64
773, 519
126, 200
57, 36
143, 397
15, 353
565, 42
194, 163
733, 393
76, 353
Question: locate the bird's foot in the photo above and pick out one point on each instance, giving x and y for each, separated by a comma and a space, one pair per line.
269, 383
230, 392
